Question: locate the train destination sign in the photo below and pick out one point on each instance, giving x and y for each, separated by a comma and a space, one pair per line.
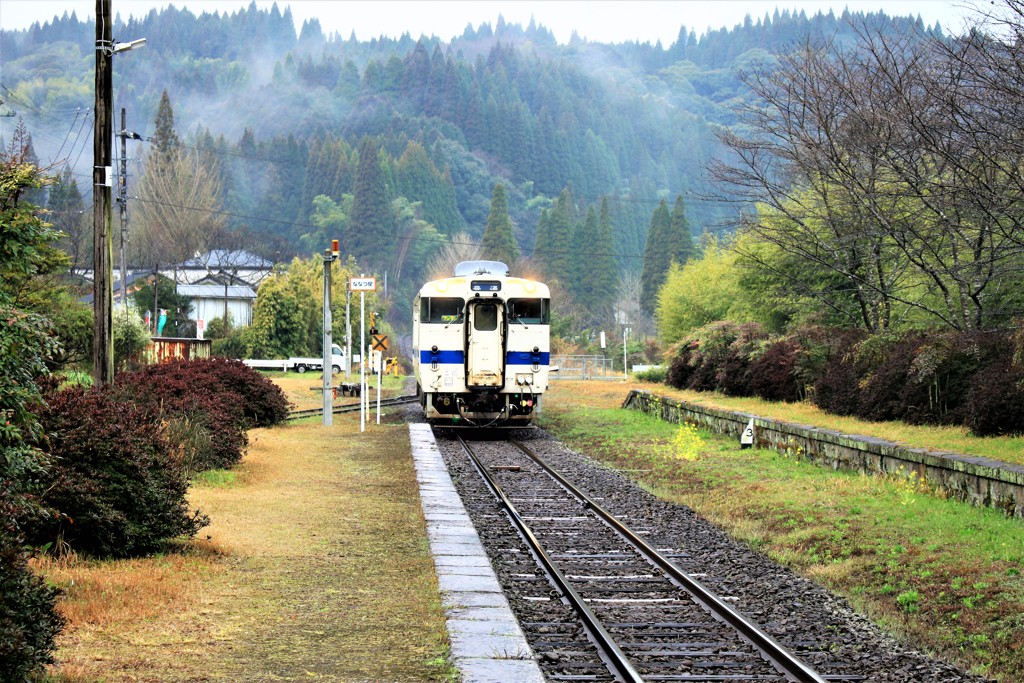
362, 284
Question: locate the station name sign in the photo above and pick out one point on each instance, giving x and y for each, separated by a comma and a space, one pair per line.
362, 284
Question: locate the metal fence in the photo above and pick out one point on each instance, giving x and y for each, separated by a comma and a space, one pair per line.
584, 367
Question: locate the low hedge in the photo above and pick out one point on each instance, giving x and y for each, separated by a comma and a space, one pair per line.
959, 378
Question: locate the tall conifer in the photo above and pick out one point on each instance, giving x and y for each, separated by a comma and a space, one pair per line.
499, 242
657, 256
165, 138
579, 267
680, 238
372, 227
553, 250
603, 271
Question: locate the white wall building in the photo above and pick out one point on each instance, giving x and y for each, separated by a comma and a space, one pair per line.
210, 301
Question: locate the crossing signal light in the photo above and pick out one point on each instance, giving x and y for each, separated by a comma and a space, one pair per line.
334, 248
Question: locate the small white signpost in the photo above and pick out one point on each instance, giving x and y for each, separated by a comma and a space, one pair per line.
362, 284
747, 437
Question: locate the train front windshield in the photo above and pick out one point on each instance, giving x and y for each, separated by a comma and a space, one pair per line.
442, 310
530, 311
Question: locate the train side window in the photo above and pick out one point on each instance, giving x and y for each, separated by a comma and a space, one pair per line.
441, 310
530, 311
485, 318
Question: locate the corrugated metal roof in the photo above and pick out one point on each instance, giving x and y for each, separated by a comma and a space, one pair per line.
222, 258
216, 291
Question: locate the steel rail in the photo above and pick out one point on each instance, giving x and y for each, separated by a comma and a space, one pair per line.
610, 652
775, 651
350, 407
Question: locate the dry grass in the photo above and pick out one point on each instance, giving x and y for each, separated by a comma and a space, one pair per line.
315, 567
104, 595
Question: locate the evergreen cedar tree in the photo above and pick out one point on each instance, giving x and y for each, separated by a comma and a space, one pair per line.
553, 246
165, 140
596, 276
371, 236
499, 242
668, 240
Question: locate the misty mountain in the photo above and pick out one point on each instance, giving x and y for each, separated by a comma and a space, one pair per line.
281, 109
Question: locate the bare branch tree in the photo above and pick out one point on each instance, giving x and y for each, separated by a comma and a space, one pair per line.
459, 248
882, 165
178, 212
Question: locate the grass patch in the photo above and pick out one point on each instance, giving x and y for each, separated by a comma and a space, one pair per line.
304, 390
316, 566
215, 478
943, 575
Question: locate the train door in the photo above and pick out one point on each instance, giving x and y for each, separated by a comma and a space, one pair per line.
485, 358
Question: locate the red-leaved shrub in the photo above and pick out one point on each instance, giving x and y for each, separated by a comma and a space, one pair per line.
262, 402
679, 368
890, 360
773, 374
836, 389
117, 489
206, 423
995, 403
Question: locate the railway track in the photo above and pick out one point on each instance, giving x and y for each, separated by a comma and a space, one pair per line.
603, 604
352, 407
654, 624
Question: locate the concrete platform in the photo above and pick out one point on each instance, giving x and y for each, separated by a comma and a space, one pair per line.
487, 645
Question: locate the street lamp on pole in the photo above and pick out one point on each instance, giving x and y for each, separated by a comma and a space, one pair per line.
122, 200
103, 293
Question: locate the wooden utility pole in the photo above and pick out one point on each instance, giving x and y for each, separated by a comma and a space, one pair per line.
102, 215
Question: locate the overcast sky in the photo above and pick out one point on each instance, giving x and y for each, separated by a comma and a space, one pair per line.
596, 20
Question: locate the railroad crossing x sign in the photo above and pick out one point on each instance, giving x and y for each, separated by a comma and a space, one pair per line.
379, 342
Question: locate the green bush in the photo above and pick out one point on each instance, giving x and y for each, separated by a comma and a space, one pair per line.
29, 622
231, 346
131, 336
657, 375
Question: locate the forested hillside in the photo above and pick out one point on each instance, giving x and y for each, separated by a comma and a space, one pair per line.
280, 119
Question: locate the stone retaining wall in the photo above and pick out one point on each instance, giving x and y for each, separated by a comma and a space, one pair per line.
980, 481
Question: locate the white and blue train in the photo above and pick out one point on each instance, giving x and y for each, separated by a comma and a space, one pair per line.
481, 343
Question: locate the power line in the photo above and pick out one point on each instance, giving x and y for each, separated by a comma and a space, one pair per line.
261, 219
71, 129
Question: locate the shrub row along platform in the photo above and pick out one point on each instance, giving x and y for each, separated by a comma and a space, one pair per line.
980, 481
